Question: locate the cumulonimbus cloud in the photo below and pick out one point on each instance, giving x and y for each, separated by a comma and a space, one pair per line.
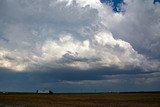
76, 34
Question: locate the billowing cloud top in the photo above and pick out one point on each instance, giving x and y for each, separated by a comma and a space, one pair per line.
78, 34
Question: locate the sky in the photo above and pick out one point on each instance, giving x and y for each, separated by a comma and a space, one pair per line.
80, 45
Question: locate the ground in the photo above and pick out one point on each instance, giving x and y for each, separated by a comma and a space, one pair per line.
80, 100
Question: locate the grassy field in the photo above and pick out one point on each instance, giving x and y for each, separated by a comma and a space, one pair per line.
81, 100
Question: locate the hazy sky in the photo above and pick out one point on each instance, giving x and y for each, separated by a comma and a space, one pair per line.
79, 45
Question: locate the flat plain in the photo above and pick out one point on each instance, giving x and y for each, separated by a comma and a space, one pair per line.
80, 100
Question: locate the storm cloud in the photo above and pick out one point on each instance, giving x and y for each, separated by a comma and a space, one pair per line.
42, 33
79, 42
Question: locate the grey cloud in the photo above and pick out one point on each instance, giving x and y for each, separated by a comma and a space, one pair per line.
139, 26
71, 57
65, 80
4, 39
74, 46
41, 34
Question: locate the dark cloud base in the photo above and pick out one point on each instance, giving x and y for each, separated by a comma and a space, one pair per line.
74, 80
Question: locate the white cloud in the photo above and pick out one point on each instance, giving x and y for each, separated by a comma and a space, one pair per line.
13, 60
116, 52
101, 51
138, 25
83, 3
79, 34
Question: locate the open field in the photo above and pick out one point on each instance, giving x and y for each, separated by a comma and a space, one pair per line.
80, 100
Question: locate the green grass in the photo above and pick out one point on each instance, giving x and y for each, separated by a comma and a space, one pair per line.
81, 100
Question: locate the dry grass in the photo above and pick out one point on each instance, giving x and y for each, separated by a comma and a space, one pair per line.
81, 100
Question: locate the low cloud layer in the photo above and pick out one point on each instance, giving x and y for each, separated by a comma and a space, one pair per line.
68, 80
